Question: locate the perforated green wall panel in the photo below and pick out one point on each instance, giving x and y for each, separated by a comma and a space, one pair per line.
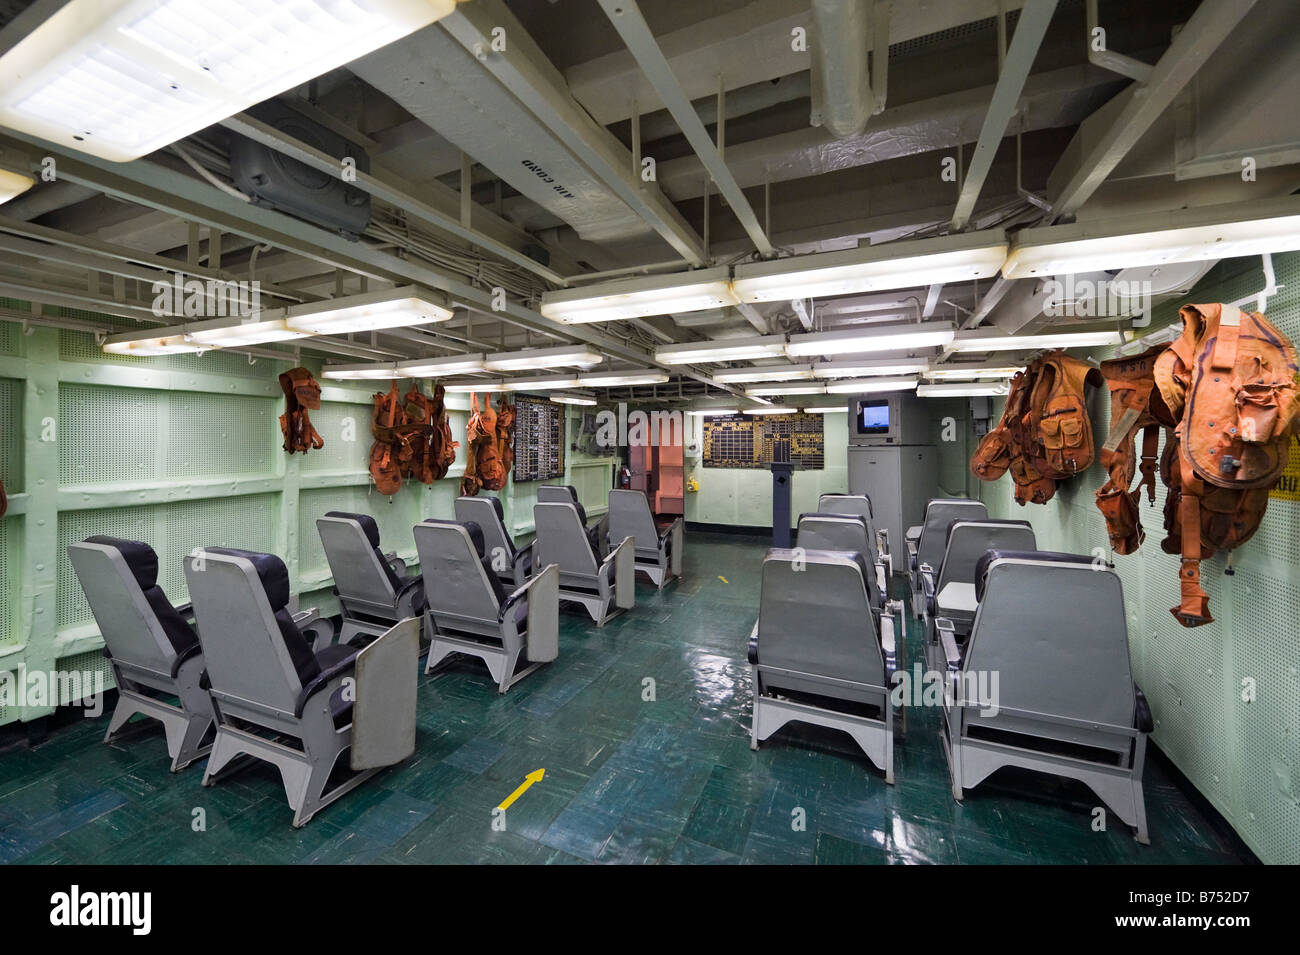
1244, 756
11, 455
8, 583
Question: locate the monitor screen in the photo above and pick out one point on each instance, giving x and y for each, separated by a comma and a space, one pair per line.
873, 417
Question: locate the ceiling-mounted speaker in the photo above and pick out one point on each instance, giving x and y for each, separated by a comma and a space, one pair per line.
276, 181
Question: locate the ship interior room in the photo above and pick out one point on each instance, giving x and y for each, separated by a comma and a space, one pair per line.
767, 432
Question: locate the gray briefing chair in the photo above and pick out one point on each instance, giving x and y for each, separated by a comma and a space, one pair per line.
278, 700
851, 534
927, 542
860, 505
1051, 628
817, 655
604, 586
597, 531
470, 611
511, 564
373, 588
658, 551
950, 590
151, 645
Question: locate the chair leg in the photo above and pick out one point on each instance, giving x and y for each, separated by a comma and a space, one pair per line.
1140, 810
185, 743
122, 714
224, 749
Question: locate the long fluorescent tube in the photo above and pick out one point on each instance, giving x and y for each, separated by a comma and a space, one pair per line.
863, 369
987, 339
867, 386
561, 356
763, 411
392, 308
122, 78
639, 297
1184, 235
884, 338
438, 367
968, 372
891, 265
759, 391
13, 184
957, 389
228, 333
784, 372
539, 383
728, 349
177, 344
837, 409
609, 379
712, 412
574, 400
369, 371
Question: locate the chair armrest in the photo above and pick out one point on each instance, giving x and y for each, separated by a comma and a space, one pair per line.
882, 547
395, 562
927, 587
948, 639
913, 536
912, 550
410, 599
323, 681
882, 581
304, 618
318, 630
186, 611
753, 644
519, 593
1143, 720
888, 640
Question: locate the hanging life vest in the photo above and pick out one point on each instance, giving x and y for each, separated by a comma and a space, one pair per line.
483, 464
1135, 405
1045, 434
1229, 381
391, 454
301, 393
505, 437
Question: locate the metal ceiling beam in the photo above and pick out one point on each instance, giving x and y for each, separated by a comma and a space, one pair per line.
1030, 30
526, 72
626, 17
171, 191
1107, 136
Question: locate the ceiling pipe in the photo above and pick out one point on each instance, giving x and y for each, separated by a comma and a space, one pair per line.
845, 92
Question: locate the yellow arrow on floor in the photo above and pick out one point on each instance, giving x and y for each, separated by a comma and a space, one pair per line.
534, 777
723, 579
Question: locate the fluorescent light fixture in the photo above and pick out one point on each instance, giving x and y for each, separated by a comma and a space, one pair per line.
538, 383
988, 339
13, 184
761, 390
836, 409
728, 349
1184, 235
769, 410
883, 338
228, 333
862, 369
783, 372
958, 389
633, 376
866, 386
712, 412
969, 372
480, 385
122, 78
642, 296
438, 367
574, 400
891, 265
369, 371
165, 344
392, 308
562, 356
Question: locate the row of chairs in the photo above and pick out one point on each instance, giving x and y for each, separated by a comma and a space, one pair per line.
1031, 648
251, 677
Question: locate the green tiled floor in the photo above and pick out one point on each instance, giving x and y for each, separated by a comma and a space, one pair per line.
627, 780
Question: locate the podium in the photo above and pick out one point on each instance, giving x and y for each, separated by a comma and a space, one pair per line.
782, 469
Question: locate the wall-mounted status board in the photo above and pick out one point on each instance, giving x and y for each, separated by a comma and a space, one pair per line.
539, 440
745, 441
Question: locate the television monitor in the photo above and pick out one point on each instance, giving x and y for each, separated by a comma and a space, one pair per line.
874, 417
